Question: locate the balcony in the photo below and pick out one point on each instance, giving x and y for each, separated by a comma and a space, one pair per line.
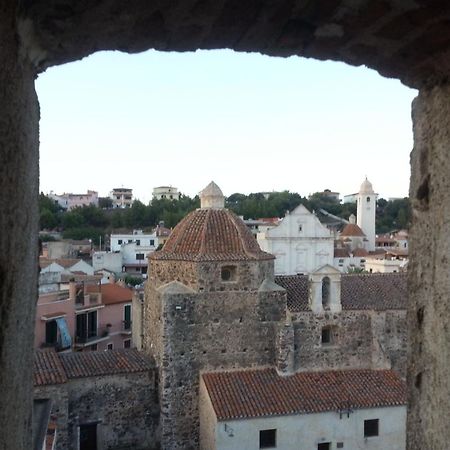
92, 337
126, 327
90, 300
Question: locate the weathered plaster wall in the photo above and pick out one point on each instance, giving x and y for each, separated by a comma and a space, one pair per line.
306, 431
429, 269
19, 177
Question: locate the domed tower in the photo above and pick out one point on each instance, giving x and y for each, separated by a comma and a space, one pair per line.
366, 209
211, 303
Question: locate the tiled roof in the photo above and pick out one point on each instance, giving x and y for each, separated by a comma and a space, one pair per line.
56, 368
113, 293
47, 368
352, 229
378, 291
111, 362
258, 393
341, 253
211, 235
360, 252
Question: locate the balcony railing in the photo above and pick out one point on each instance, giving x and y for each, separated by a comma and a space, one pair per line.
126, 326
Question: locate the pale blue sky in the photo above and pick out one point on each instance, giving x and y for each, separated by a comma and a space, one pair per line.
250, 122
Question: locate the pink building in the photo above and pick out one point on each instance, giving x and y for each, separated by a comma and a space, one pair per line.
87, 316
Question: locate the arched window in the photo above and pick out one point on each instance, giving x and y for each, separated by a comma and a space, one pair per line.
326, 292
368, 199
228, 273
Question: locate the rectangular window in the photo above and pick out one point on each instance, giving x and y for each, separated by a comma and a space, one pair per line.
268, 438
371, 427
127, 343
138, 242
327, 336
324, 446
152, 242
130, 241
88, 436
51, 332
140, 256
110, 346
339, 445
119, 241
86, 326
127, 317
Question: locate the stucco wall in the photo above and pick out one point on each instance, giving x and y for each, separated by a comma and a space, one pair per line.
307, 430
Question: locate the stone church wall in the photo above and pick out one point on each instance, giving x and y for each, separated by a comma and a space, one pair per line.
360, 339
206, 331
206, 276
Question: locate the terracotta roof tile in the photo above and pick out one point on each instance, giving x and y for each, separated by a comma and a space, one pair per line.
341, 253
111, 362
56, 368
112, 293
360, 252
257, 393
352, 229
211, 235
47, 368
378, 291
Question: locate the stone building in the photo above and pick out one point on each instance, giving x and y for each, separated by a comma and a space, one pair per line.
213, 304
98, 400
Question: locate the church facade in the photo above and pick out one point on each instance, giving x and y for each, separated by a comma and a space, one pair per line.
300, 243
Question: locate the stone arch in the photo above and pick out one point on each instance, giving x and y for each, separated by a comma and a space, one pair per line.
409, 41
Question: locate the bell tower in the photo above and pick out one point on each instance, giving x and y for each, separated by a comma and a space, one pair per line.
365, 215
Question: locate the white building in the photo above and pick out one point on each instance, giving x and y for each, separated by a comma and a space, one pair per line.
300, 243
166, 192
121, 197
128, 253
366, 202
327, 410
139, 238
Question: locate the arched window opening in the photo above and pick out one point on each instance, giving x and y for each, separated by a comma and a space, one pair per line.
326, 292
228, 273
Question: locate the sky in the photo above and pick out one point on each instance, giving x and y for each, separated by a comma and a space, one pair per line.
249, 122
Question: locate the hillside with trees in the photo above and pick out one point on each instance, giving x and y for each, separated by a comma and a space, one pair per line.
91, 222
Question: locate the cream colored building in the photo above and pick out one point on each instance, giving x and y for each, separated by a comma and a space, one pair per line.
255, 409
166, 192
300, 243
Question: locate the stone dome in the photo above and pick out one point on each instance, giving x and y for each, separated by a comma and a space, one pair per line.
366, 187
211, 234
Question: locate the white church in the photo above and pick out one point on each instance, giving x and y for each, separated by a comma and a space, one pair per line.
302, 244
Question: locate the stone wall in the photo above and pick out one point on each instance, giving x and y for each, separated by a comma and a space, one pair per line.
19, 180
125, 407
59, 396
360, 339
428, 273
206, 276
190, 332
